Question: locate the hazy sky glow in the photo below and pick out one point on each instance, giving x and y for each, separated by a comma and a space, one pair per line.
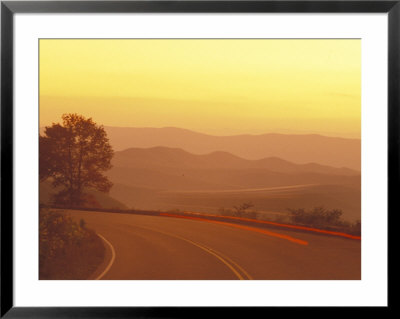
220, 87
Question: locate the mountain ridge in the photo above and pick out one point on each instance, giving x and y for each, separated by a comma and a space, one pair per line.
161, 156
226, 135
300, 149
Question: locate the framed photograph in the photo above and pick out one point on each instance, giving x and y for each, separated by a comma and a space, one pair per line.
177, 158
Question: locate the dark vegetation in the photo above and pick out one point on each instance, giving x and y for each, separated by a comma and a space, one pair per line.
242, 210
67, 250
94, 198
318, 217
74, 155
329, 219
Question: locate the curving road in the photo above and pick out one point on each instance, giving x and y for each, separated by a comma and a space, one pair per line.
156, 248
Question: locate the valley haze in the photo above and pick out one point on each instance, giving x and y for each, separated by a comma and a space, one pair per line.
172, 168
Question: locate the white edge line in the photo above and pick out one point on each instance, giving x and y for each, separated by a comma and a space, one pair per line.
112, 257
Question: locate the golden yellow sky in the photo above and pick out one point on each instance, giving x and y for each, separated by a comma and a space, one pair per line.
220, 87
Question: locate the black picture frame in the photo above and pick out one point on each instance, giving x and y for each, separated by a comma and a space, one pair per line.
9, 8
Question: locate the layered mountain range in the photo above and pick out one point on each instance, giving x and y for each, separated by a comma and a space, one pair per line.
301, 149
171, 168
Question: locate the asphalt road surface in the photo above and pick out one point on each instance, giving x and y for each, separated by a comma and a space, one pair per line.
143, 247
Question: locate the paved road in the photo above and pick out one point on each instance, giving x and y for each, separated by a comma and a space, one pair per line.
158, 248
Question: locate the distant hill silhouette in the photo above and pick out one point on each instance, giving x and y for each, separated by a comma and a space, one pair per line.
332, 151
165, 157
170, 178
169, 169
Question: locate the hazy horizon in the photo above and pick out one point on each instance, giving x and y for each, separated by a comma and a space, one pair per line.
225, 87
282, 132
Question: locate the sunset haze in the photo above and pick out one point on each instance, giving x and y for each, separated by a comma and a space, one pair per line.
219, 87
200, 159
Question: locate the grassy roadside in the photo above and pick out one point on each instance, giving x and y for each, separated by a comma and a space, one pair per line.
67, 250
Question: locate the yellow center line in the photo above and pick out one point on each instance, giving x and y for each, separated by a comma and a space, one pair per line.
237, 266
225, 260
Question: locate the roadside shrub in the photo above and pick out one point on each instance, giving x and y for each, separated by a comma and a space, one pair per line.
356, 227
225, 211
174, 211
242, 210
251, 214
318, 216
324, 218
67, 250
